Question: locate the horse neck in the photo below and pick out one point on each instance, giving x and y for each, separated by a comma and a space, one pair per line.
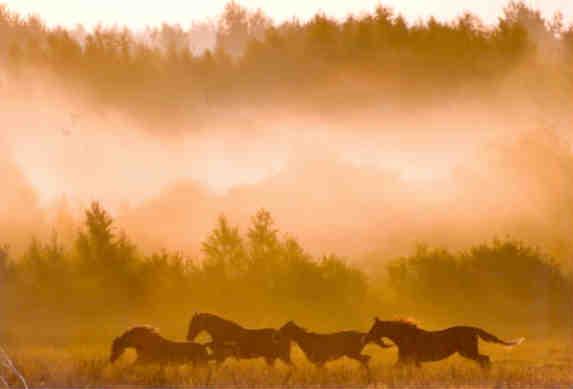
220, 328
149, 343
400, 333
300, 335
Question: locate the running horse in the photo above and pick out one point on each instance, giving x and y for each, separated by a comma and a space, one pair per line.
249, 343
322, 348
151, 347
416, 345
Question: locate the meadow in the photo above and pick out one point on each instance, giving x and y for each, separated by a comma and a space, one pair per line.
534, 364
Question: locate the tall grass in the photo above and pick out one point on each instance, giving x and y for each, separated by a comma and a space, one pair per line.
536, 363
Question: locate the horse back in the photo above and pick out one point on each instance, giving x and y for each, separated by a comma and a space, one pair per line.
262, 342
184, 351
332, 345
456, 331
260, 336
346, 339
448, 338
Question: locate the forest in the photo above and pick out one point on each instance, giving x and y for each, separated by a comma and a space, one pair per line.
171, 79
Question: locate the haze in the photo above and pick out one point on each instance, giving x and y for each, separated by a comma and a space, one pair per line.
380, 173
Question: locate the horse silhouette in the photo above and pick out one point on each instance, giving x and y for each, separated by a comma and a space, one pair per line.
321, 348
416, 345
249, 343
151, 347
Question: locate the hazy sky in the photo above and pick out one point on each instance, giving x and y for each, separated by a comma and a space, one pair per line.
138, 13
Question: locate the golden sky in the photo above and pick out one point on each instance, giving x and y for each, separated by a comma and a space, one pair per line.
138, 13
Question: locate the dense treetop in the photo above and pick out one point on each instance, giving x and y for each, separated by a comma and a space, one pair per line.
176, 74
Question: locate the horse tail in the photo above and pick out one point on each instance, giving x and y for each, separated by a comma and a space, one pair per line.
486, 336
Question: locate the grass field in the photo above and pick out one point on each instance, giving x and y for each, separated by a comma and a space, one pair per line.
536, 363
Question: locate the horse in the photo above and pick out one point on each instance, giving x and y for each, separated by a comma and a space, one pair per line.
151, 347
416, 345
322, 348
219, 351
250, 343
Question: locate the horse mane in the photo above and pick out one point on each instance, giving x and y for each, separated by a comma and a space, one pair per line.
145, 328
304, 329
407, 321
295, 325
219, 318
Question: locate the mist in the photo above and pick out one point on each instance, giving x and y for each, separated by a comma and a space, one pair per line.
452, 180
359, 161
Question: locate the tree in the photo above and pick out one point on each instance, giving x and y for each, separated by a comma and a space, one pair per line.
224, 250
263, 240
259, 24
96, 242
233, 31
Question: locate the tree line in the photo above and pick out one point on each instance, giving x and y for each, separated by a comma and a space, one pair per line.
174, 75
102, 279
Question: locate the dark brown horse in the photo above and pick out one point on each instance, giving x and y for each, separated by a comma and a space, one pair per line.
416, 345
321, 348
153, 348
249, 343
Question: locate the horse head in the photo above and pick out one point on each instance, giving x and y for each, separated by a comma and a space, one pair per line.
284, 331
216, 326
140, 337
389, 329
117, 349
196, 325
290, 329
375, 332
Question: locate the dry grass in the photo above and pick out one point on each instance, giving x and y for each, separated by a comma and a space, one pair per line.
536, 363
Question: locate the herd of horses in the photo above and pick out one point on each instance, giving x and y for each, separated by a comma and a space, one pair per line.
229, 339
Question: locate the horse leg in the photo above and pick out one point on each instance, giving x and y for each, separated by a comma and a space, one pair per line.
320, 371
202, 364
162, 371
209, 374
289, 372
286, 360
470, 351
363, 359
484, 361
406, 361
402, 360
